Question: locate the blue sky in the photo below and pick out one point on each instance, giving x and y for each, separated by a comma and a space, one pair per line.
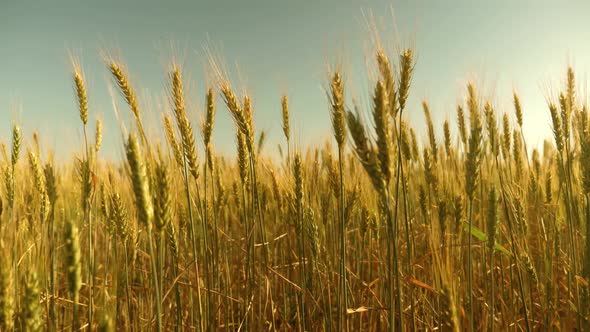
273, 47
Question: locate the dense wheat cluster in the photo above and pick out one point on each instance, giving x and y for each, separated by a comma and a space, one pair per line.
376, 231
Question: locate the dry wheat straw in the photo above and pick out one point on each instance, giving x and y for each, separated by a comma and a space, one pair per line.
190, 164
298, 193
492, 228
472, 177
145, 210
406, 69
338, 116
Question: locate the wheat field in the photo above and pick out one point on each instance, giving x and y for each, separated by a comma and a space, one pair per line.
372, 231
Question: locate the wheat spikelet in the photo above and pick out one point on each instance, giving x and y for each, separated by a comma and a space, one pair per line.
98, 135
333, 176
352, 199
461, 124
298, 175
210, 118
581, 121
210, 157
9, 177
517, 109
382, 130
9, 185
249, 132
221, 189
506, 137
119, 216
474, 146
447, 134
242, 115
81, 95
172, 239
529, 267
140, 182
128, 92
364, 150
365, 222
458, 213
517, 150
406, 61
132, 241
242, 157
386, 73
84, 175
429, 171
50, 182
184, 126
4, 151
39, 179
36, 144
431, 135
276, 190
406, 143
163, 201
337, 111
16, 144
285, 113
571, 89
548, 188
261, 140
230, 98
492, 128
311, 232
177, 93
557, 129
565, 115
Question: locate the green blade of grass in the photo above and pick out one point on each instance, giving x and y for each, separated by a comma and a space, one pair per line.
480, 235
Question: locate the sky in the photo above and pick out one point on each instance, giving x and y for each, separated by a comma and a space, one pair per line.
275, 47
